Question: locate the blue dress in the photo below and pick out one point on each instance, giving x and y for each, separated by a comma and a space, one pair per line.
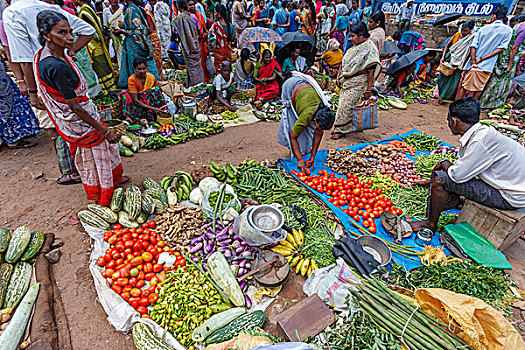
17, 119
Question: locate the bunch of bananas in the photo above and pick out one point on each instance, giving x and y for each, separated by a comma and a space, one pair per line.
291, 248
247, 163
227, 172
181, 183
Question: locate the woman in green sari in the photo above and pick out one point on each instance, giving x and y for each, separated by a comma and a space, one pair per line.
97, 48
136, 44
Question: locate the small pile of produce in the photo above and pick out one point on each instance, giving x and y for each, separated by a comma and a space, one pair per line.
445, 150
426, 163
511, 131
413, 200
400, 168
402, 147
383, 153
380, 181
402, 319
292, 248
415, 96
344, 161
483, 282
228, 172
105, 99
129, 144
131, 264
157, 141
272, 110
179, 225
422, 141
229, 115
316, 216
130, 207
444, 220
177, 187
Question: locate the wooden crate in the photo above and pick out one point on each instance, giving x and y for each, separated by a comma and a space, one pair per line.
501, 227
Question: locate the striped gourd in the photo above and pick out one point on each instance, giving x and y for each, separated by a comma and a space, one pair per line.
159, 206
105, 213
134, 201
5, 274
146, 339
18, 284
5, 237
245, 322
125, 220
17, 245
118, 199
93, 219
148, 205
35, 244
142, 218
148, 182
158, 194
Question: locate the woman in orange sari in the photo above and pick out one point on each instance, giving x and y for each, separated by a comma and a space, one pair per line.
265, 76
203, 37
222, 33
309, 19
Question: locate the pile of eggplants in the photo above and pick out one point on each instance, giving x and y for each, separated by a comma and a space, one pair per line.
235, 250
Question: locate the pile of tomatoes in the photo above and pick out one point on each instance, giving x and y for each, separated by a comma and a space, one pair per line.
363, 202
131, 265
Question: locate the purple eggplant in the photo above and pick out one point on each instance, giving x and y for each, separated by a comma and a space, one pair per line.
248, 301
205, 226
204, 267
243, 285
225, 242
223, 248
196, 248
236, 244
248, 265
242, 263
247, 254
236, 262
209, 247
196, 240
195, 259
222, 237
210, 253
240, 249
241, 272
227, 253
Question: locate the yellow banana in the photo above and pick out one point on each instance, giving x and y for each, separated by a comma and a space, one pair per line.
304, 267
289, 258
310, 270
291, 240
299, 266
282, 250
295, 260
314, 264
287, 245
299, 237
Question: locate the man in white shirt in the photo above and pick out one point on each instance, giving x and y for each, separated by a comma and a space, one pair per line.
489, 169
22, 35
406, 15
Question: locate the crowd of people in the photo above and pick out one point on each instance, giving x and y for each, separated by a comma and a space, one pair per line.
65, 53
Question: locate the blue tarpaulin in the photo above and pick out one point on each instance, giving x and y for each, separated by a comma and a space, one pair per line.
290, 164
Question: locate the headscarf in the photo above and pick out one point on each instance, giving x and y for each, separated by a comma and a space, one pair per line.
333, 44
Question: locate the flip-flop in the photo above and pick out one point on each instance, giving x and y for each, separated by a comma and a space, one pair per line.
395, 226
125, 179
337, 136
23, 144
71, 180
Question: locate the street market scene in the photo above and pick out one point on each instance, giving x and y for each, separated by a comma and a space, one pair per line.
245, 174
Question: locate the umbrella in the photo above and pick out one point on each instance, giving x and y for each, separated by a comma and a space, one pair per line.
389, 47
445, 42
406, 60
259, 35
449, 17
520, 80
294, 40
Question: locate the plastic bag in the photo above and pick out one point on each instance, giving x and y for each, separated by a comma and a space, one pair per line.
208, 210
120, 314
286, 346
169, 103
333, 284
252, 236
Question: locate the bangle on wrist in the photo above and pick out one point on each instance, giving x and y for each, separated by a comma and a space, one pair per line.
32, 91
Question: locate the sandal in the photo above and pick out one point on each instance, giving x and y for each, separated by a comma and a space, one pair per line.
23, 144
125, 178
68, 180
337, 136
395, 226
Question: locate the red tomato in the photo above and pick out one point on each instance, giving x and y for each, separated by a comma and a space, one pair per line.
120, 247
128, 245
144, 302
145, 316
157, 268
125, 296
133, 281
136, 292
145, 225
134, 304
399, 211
146, 256
124, 272
117, 227
109, 281
153, 297
148, 267
115, 275
154, 281
140, 283
142, 310
366, 223
136, 261
113, 239
141, 275
149, 276
101, 261
152, 224
372, 229
117, 289
145, 293
356, 218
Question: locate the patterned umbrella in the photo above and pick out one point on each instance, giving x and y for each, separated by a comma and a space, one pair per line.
259, 35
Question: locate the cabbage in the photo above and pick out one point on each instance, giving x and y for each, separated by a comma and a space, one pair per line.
196, 196
209, 184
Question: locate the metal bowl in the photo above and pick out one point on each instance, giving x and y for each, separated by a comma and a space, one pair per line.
266, 218
377, 248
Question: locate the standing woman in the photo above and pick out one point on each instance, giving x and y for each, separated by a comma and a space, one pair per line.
367, 11
162, 19
203, 36
221, 33
356, 78
456, 54
189, 40
136, 43
97, 48
309, 19
376, 25
498, 87
64, 93
326, 18
154, 38
111, 16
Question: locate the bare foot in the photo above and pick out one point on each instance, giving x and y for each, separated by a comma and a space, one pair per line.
438, 102
416, 225
337, 136
69, 179
125, 179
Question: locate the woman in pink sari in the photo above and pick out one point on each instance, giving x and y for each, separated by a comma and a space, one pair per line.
266, 73
63, 90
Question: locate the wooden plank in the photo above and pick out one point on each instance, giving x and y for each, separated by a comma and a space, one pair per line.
488, 225
308, 318
478, 220
499, 233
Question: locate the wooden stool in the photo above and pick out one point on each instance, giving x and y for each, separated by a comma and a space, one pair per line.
501, 227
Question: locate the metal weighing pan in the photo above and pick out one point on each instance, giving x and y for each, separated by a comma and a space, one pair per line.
274, 275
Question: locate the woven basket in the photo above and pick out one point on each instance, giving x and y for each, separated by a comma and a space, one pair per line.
165, 119
117, 127
115, 108
250, 92
202, 105
322, 82
235, 100
218, 108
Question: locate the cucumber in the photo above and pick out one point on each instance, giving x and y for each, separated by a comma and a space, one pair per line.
117, 200
124, 151
5, 274
33, 248
216, 322
125, 220
93, 219
18, 244
134, 201
18, 284
5, 237
148, 205
145, 338
245, 322
105, 213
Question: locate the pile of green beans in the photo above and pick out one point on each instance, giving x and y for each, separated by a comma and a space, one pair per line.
412, 199
184, 302
266, 185
401, 318
425, 164
422, 142
316, 216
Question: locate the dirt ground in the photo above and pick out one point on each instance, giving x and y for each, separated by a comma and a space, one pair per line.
30, 196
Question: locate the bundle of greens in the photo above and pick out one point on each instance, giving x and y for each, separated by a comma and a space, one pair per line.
422, 141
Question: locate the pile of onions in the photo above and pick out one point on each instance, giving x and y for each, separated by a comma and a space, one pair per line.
445, 150
400, 168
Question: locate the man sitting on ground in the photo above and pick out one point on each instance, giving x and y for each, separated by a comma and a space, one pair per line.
489, 169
